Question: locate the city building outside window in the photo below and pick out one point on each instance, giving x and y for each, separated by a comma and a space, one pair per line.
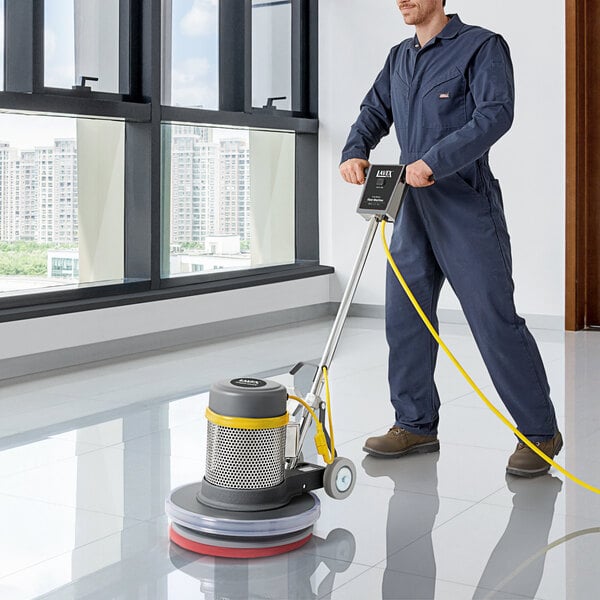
229, 208
58, 199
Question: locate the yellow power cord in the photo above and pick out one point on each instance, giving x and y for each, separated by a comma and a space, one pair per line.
323, 448
462, 371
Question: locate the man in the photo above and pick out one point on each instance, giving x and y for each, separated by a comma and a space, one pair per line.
449, 92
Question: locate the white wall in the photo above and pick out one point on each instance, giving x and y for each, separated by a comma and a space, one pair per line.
355, 37
21, 338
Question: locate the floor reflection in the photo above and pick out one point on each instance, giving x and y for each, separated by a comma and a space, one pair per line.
404, 526
516, 564
292, 576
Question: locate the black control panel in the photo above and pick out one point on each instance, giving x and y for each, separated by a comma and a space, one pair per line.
383, 192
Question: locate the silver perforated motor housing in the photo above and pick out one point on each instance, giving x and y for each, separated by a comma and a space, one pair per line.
243, 458
246, 434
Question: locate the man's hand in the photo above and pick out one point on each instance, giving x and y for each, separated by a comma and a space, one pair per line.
418, 174
353, 170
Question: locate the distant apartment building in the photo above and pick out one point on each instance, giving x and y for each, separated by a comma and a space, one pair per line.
234, 181
210, 190
44, 166
193, 183
65, 225
7, 208
210, 187
38, 193
26, 192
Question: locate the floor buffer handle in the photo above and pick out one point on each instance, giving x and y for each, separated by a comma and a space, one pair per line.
382, 196
340, 318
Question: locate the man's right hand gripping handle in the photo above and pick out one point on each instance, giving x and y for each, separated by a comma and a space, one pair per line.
353, 170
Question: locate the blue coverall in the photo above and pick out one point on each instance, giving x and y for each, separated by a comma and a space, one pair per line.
449, 102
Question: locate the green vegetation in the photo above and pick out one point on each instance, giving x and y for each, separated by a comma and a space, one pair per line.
26, 258
192, 245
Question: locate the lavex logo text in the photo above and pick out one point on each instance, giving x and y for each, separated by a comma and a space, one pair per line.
382, 173
248, 382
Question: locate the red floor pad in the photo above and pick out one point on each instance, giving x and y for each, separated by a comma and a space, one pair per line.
234, 552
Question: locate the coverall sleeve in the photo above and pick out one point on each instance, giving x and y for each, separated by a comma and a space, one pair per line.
374, 120
492, 87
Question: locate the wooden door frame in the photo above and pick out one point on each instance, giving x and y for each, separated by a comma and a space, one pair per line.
582, 271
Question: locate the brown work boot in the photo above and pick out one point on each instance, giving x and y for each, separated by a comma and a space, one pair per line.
398, 442
524, 462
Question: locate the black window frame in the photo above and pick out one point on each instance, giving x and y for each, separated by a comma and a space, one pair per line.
142, 111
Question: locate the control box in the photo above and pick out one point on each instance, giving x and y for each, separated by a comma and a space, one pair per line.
383, 192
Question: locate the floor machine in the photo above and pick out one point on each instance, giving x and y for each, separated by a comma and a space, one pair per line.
256, 497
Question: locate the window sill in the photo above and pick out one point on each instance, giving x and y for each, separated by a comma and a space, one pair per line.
137, 292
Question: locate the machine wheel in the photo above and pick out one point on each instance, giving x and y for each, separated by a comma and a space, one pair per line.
339, 478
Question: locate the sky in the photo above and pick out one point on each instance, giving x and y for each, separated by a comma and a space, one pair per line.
195, 42
27, 131
59, 43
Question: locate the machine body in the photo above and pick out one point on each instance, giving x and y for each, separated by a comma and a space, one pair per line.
256, 496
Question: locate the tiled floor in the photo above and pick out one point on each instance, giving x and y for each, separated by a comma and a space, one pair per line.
88, 455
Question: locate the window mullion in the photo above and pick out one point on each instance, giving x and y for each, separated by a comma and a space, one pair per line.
142, 151
125, 47
235, 55
305, 57
299, 56
38, 45
307, 197
23, 45
154, 174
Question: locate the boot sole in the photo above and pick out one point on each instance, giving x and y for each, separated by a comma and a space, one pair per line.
527, 474
533, 473
417, 449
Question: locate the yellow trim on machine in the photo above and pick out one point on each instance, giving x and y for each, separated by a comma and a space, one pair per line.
246, 423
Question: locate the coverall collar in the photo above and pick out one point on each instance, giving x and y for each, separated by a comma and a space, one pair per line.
451, 30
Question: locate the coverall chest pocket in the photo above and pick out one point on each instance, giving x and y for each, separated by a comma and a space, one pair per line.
443, 104
400, 98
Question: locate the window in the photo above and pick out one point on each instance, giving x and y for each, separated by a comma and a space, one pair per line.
61, 196
137, 167
59, 43
90, 49
272, 54
191, 77
237, 210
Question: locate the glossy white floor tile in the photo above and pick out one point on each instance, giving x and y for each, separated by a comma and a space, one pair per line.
88, 455
34, 531
395, 585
